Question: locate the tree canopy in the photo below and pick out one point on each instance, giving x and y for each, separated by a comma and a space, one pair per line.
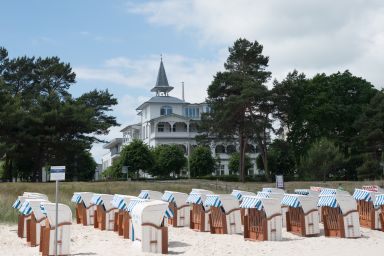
201, 162
42, 124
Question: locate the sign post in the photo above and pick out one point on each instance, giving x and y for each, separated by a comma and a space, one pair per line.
57, 174
124, 169
279, 181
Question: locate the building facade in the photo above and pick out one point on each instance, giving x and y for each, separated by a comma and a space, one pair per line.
169, 120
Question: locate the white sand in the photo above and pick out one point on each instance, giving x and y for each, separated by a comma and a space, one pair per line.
183, 241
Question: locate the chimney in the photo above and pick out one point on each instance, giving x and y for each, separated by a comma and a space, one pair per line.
182, 91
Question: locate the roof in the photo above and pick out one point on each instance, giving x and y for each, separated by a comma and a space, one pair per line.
113, 143
130, 126
162, 99
162, 81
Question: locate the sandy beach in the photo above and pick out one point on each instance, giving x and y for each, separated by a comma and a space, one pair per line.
183, 241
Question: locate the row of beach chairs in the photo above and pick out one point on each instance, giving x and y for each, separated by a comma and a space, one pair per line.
37, 220
259, 216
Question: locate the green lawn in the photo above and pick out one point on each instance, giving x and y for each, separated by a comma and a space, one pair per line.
10, 191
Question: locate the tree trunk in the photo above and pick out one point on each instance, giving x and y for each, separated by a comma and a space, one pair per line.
242, 158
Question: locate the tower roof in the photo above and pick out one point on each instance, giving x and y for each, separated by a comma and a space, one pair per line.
162, 85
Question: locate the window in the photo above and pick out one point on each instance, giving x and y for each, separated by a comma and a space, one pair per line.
166, 110
192, 112
160, 127
222, 168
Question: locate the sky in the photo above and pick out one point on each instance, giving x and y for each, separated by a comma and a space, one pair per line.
116, 44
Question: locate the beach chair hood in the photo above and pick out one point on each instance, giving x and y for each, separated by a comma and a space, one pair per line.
227, 201
177, 197
150, 194
238, 194
64, 213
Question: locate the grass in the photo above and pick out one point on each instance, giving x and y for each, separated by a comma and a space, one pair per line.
10, 191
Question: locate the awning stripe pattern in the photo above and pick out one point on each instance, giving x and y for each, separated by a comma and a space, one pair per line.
304, 192
291, 200
373, 188
328, 200
135, 202
251, 202
119, 202
43, 209
96, 199
213, 200
237, 194
269, 190
379, 200
76, 198
169, 213
327, 191
17, 204
144, 195
194, 199
263, 194
168, 197
25, 208
361, 194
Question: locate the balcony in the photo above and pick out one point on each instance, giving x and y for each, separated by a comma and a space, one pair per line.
173, 135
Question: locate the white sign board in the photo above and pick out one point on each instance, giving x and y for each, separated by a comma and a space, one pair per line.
57, 173
279, 181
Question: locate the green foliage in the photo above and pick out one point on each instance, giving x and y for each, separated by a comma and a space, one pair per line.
281, 159
201, 161
42, 124
370, 169
239, 99
322, 160
137, 156
234, 163
169, 159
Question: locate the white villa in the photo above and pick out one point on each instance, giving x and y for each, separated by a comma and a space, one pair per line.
170, 120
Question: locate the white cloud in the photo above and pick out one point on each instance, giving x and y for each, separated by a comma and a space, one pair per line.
310, 35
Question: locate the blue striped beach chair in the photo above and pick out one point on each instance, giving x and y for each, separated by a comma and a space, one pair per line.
368, 213
199, 214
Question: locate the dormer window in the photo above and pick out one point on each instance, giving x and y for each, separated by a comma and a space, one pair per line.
165, 110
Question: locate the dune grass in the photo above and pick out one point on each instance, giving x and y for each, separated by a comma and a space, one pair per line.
10, 191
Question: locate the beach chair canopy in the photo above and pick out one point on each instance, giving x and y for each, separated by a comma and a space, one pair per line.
332, 191
36, 207
306, 192
306, 202
82, 197
20, 199
150, 194
26, 207
133, 202
227, 201
273, 190
150, 212
344, 201
238, 194
269, 205
174, 197
379, 200
121, 201
64, 213
198, 196
263, 194
365, 195
373, 188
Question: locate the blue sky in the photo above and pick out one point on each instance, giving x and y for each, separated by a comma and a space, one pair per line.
116, 45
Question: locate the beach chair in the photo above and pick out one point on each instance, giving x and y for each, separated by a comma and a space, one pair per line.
85, 209
128, 231
238, 194
47, 244
340, 215
105, 212
278, 194
35, 222
379, 203
150, 233
199, 214
302, 217
368, 214
179, 207
150, 194
263, 219
121, 224
273, 190
224, 216
22, 218
307, 192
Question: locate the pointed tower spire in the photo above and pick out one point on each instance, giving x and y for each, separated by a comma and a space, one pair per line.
162, 87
